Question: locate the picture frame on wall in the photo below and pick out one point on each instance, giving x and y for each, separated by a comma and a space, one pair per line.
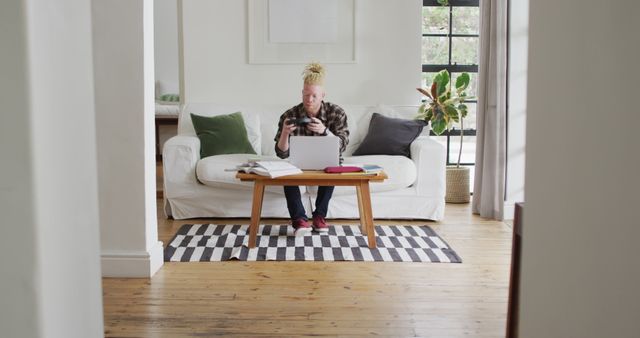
297, 31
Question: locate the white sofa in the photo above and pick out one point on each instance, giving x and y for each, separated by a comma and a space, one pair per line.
195, 187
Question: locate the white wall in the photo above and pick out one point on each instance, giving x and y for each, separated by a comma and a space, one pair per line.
580, 270
165, 19
123, 60
166, 41
388, 35
516, 133
49, 249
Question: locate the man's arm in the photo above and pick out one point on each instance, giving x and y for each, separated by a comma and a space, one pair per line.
282, 136
339, 127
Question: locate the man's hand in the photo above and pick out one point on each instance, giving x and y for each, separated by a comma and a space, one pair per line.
287, 129
316, 126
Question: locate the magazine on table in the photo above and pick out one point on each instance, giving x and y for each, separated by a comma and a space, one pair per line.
272, 169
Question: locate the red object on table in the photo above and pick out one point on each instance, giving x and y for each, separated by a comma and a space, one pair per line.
345, 169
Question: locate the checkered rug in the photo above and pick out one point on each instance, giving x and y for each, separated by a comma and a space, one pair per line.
211, 242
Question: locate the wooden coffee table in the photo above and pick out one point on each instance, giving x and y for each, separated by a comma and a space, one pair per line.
315, 178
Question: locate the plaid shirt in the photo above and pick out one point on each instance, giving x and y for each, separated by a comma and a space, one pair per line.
331, 115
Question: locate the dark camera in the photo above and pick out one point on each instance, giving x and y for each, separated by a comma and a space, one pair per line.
299, 121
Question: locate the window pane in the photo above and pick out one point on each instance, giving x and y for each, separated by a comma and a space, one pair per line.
435, 50
465, 20
472, 89
470, 121
468, 149
435, 20
427, 80
464, 51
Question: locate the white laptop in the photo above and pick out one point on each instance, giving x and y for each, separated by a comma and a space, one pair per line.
314, 152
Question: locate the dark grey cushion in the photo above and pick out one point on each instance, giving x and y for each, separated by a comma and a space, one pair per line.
389, 136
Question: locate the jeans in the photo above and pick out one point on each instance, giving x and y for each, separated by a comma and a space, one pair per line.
294, 202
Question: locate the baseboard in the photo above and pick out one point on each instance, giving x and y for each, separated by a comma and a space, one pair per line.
132, 264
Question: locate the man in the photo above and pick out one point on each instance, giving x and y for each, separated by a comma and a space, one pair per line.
327, 119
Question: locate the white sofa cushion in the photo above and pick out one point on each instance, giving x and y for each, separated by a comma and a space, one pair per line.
401, 171
211, 172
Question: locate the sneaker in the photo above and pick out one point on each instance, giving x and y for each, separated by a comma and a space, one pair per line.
320, 224
301, 226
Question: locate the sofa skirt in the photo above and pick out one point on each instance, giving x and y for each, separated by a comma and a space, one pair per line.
219, 203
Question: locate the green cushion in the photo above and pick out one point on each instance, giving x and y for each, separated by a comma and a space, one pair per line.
170, 98
222, 134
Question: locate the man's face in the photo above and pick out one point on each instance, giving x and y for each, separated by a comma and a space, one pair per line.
312, 96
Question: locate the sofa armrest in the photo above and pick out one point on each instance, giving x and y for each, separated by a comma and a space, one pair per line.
430, 158
179, 157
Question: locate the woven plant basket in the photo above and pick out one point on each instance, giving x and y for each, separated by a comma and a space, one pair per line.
457, 185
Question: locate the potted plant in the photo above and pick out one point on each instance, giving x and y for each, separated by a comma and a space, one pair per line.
443, 108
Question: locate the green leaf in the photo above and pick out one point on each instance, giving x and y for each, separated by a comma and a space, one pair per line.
438, 110
462, 108
429, 114
443, 2
439, 113
452, 112
452, 101
462, 82
438, 125
422, 112
442, 81
422, 109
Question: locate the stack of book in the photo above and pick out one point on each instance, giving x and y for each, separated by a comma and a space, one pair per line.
272, 169
371, 168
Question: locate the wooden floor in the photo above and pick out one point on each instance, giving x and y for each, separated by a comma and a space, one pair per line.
356, 299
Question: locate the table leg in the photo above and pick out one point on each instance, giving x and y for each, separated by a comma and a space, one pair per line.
256, 210
366, 213
363, 221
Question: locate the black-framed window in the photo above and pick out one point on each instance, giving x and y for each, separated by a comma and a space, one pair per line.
450, 40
